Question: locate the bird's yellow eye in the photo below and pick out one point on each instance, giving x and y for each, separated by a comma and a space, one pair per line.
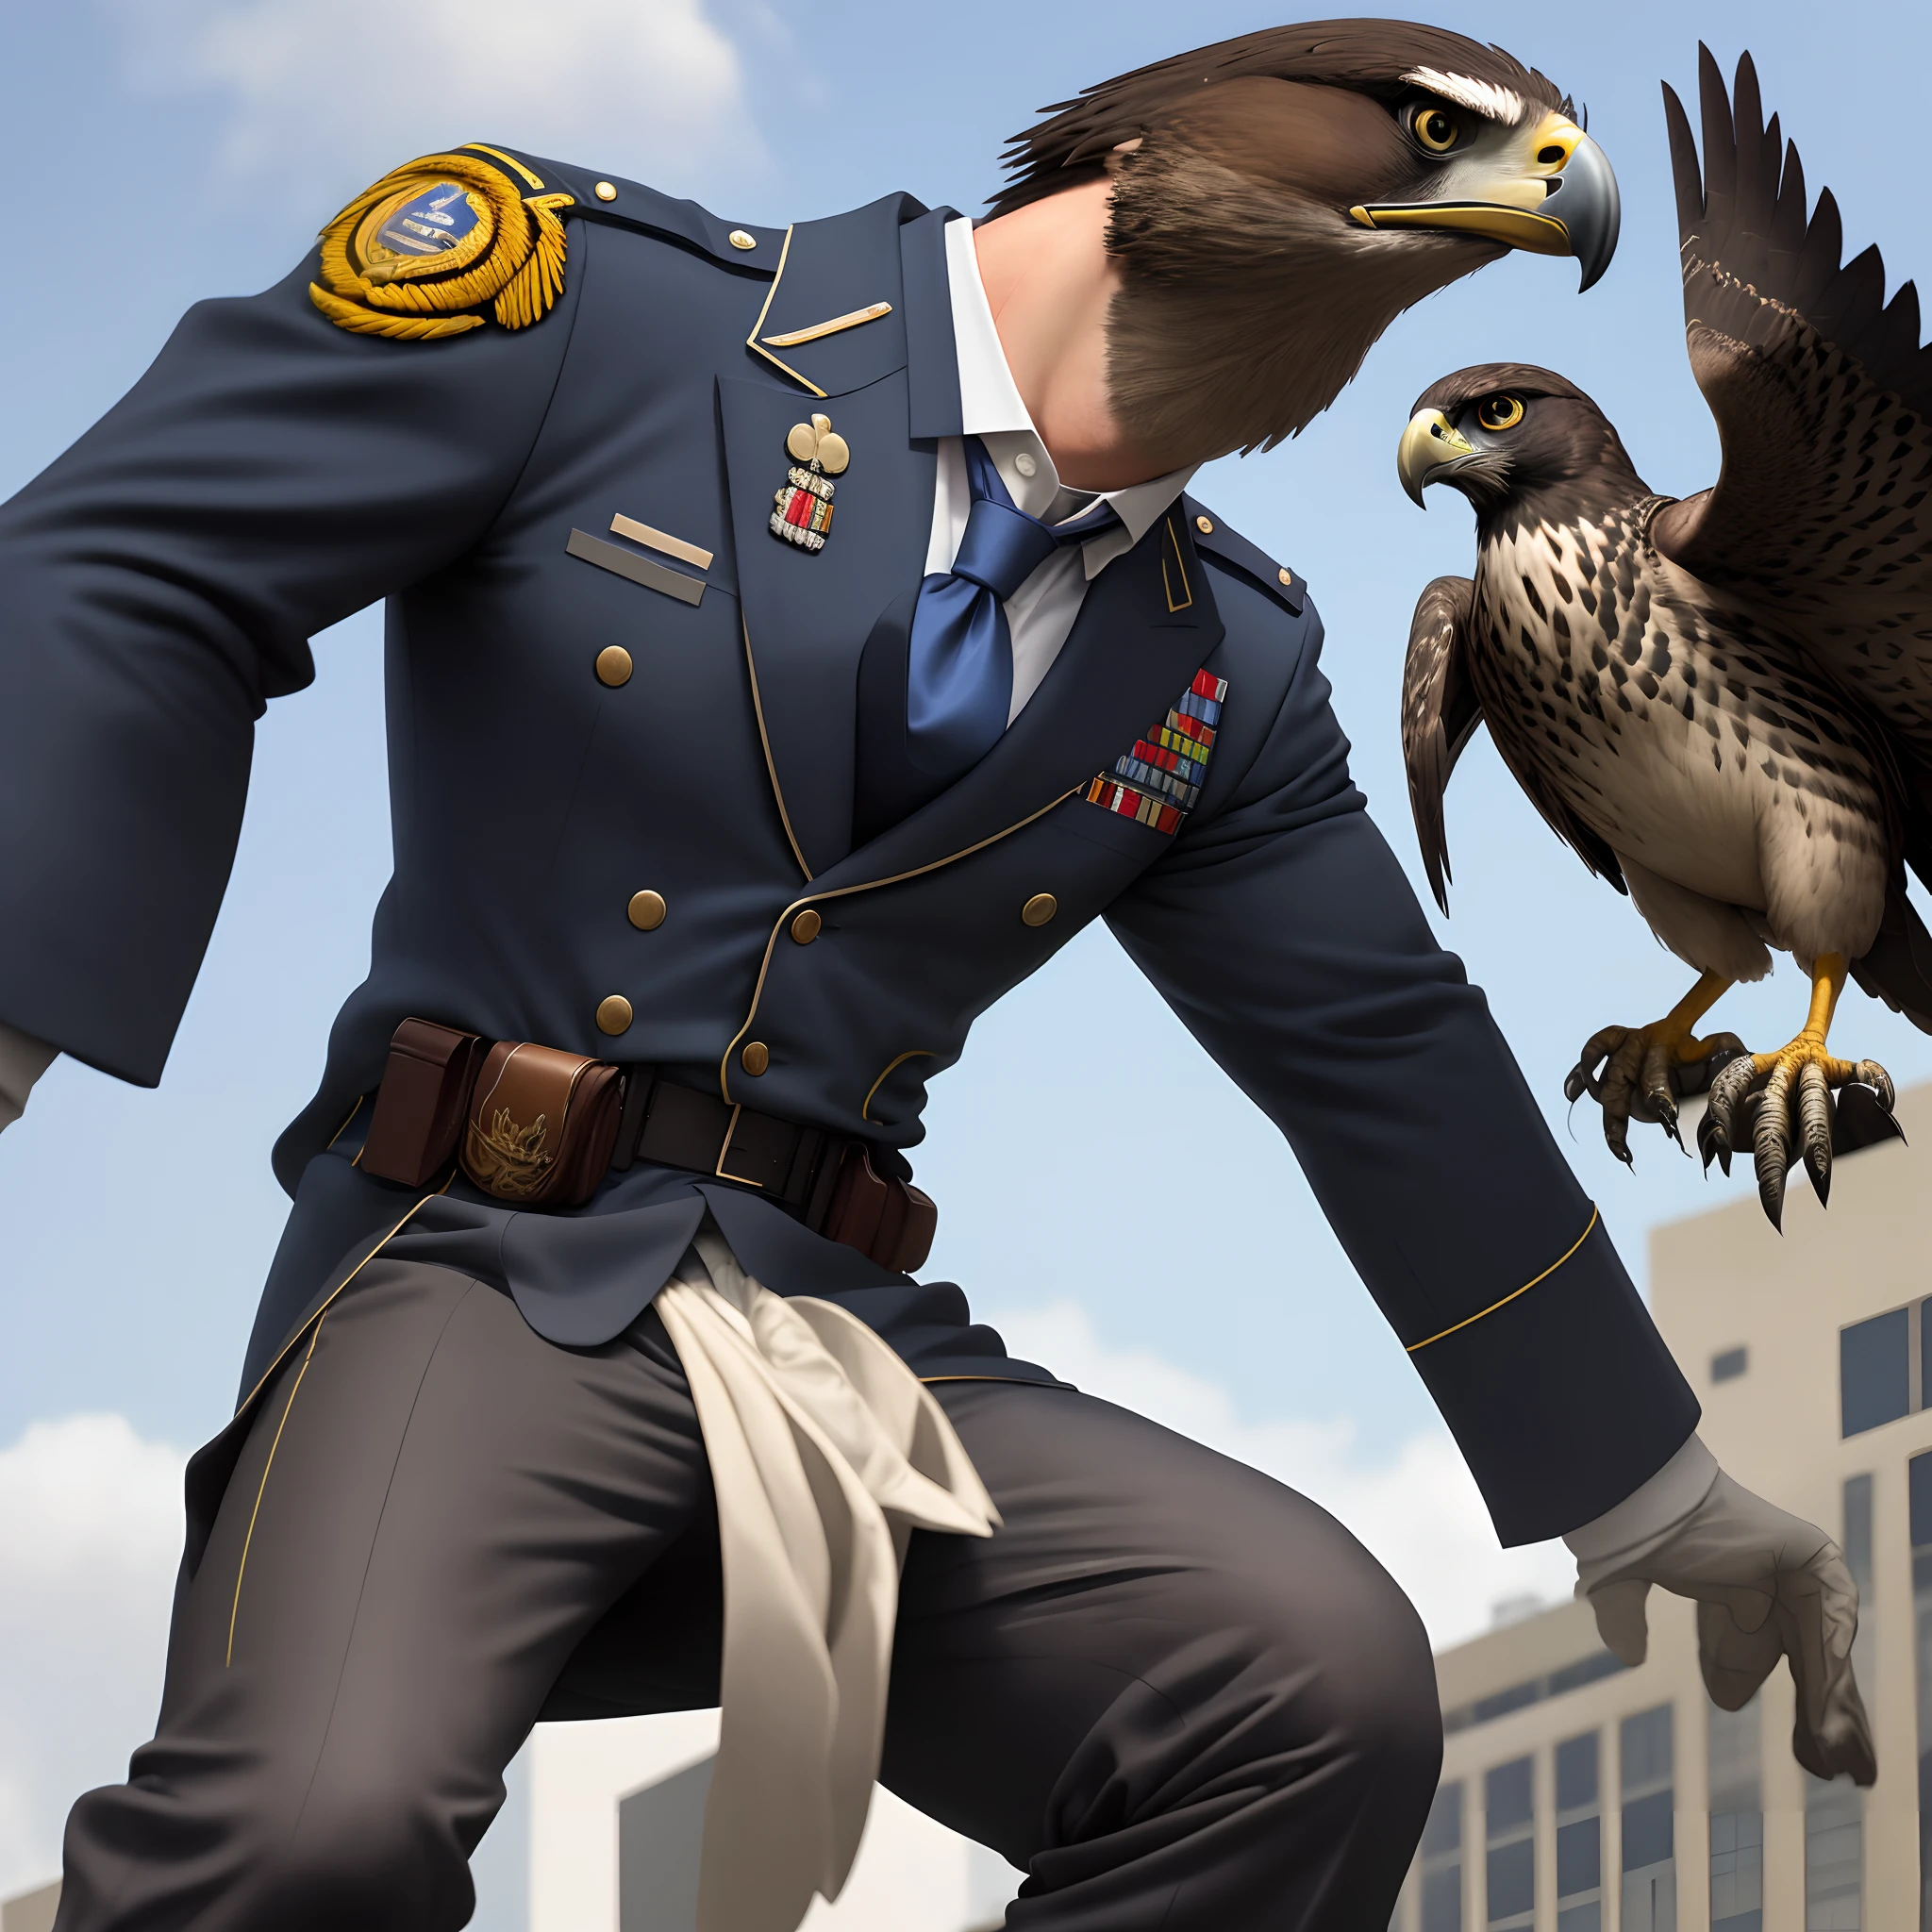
1498, 412
1435, 127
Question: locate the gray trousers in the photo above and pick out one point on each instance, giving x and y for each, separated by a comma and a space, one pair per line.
1179, 1695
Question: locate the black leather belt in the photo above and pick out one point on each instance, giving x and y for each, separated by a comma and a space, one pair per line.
679, 1126
530, 1123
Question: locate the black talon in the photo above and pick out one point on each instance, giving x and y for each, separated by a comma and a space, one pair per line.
1576, 1084
1860, 1119
1771, 1145
1814, 1126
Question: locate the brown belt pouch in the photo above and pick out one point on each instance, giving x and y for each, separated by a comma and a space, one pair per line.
419, 1107
541, 1125
890, 1220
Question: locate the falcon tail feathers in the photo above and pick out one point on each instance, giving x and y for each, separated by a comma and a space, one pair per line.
1898, 967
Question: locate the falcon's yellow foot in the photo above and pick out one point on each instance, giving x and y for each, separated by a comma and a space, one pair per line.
1641, 1072
1784, 1102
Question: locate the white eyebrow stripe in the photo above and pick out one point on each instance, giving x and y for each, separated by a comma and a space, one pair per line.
1480, 97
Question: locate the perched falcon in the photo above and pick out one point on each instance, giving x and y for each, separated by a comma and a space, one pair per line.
1725, 704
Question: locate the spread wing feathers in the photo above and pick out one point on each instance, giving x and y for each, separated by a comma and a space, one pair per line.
1439, 714
1822, 398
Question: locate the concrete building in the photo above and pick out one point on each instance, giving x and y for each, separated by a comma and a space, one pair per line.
1577, 1797
616, 1809
31, 1911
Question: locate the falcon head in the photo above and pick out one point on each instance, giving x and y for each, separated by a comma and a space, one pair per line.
1280, 198
1524, 444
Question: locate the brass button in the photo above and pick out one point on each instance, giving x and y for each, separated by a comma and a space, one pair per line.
1286, 576
605, 191
1040, 908
1204, 524
613, 1014
613, 665
805, 928
756, 1058
646, 910
738, 238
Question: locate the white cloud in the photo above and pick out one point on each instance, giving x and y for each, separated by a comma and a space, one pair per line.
1416, 1506
90, 1537
358, 86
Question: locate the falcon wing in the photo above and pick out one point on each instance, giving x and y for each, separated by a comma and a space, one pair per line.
1439, 713
1822, 398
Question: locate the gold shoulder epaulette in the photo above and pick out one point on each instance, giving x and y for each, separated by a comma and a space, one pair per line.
430, 247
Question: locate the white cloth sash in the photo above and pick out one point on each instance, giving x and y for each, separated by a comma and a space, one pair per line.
825, 1451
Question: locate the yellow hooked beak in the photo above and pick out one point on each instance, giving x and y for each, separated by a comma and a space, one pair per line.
1429, 445
1550, 191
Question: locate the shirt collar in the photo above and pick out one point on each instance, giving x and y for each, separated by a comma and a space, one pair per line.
991, 408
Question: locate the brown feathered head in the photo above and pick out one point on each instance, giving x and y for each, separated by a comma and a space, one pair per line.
1280, 198
1526, 445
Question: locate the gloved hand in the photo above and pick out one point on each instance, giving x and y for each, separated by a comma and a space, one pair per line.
1766, 1584
22, 1060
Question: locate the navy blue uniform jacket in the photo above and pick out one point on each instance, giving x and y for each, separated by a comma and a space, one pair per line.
273, 472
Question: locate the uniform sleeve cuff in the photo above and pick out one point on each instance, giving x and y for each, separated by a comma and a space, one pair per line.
1649, 1509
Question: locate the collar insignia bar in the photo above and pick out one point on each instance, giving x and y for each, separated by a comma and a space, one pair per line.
441, 245
803, 512
1159, 781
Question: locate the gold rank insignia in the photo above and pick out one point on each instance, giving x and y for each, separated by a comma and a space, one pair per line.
426, 250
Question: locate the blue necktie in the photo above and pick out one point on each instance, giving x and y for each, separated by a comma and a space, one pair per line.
959, 657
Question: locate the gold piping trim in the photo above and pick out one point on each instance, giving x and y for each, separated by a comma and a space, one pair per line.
866, 885
261, 1489
916, 1052
1186, 602
282, 1354
508, 160
752, 342
771, 768
730, 1129
344, 1128
1457, 1326
854, 319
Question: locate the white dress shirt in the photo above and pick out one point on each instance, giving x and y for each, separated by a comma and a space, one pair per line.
1042, 611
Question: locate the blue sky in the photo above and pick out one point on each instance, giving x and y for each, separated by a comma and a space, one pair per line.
163, 150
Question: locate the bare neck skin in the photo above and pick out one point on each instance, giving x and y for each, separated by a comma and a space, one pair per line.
1050, 283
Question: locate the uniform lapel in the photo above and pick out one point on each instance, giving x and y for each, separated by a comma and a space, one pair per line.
807, 615
1147, 624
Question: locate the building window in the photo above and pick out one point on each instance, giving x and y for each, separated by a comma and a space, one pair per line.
1569, 1677
1919, 1511
1441, 1857
1729, 1366
1650, 1868
1579, 1836
1510, 1819
1875, 1370
1833, 1812
1737, 1819
1834, 1856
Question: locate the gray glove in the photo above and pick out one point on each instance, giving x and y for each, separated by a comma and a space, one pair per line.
1766, 1584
